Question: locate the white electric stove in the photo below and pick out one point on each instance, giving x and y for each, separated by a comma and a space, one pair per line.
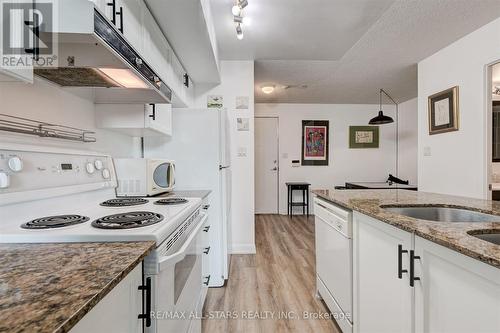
57, 195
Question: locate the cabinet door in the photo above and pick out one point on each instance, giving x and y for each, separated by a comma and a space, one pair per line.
455, 293
130, 20
159, 118
118, 311
382, 301
16, 33
158, 50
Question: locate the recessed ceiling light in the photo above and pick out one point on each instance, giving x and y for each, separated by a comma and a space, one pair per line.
268, 89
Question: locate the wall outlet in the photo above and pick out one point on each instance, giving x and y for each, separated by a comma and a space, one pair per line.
427, 151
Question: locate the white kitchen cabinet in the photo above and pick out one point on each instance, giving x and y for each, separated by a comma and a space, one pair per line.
455, 293
16, 73
130, 20
382, 300
118, 311
136, 120
158, 50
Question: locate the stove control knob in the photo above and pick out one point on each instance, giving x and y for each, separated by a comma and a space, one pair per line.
90, 168
4, 180
106, 174
98, 164
15, 164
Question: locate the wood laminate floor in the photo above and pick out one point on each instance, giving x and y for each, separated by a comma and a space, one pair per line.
273, 288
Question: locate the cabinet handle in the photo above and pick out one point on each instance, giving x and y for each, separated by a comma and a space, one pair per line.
207, 250
120, 13
112, 4
153, 114
400, 261
186, 80
146, 288
205, 207
207, 278
413, 278
36, 31
206, 228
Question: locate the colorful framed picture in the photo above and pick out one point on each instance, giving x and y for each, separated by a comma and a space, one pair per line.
443, 111
315, 142
363, 137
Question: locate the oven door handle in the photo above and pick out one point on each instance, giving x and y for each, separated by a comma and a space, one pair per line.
181, 254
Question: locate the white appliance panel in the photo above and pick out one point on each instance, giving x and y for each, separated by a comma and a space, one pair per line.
198, 148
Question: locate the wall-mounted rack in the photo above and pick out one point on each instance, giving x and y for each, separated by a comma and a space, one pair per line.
21, 125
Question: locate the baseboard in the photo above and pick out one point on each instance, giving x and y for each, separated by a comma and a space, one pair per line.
243, 249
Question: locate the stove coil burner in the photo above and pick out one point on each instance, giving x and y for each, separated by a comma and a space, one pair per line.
123, 202
170, 201
127, 220
57, 221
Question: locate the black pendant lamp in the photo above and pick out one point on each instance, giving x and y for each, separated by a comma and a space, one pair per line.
381, 119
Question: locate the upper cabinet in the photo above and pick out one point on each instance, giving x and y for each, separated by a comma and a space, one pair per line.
136, 120
13, 72
141, 30
189, 28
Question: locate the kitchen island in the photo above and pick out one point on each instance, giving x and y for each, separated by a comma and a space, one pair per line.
403, 273
452, 235
51, 287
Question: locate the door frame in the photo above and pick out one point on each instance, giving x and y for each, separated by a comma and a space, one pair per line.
277, 158
489, 132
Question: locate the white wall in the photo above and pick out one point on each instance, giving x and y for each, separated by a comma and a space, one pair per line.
408, 141
459, 160
46, 102
237, 79
345, 164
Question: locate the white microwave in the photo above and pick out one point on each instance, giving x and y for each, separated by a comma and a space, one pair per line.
140, 177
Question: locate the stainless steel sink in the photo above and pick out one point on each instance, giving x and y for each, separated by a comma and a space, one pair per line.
443, 214
492, 238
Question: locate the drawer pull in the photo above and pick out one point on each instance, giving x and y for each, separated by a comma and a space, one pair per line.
400, 261
207, 278
413, 278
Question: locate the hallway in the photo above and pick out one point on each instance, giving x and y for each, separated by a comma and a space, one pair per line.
273, 290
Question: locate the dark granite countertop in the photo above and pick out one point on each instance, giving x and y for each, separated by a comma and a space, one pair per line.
50, 287
452, 235
202, 194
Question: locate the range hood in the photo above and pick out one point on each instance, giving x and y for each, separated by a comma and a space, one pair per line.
93, 55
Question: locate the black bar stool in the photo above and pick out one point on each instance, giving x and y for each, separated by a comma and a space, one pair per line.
298, 186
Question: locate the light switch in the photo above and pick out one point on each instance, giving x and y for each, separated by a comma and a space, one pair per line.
284, 155
427, 151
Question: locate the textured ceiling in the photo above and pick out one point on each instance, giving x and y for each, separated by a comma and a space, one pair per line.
345, 53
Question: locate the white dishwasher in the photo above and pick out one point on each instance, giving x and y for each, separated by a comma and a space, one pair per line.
333, 229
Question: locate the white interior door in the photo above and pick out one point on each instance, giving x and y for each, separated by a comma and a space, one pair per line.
266, 165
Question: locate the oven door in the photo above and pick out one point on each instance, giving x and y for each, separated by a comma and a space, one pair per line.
178, 283
162, 176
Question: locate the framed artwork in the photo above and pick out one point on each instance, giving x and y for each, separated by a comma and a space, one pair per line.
363, 137
443, 111
315, 142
